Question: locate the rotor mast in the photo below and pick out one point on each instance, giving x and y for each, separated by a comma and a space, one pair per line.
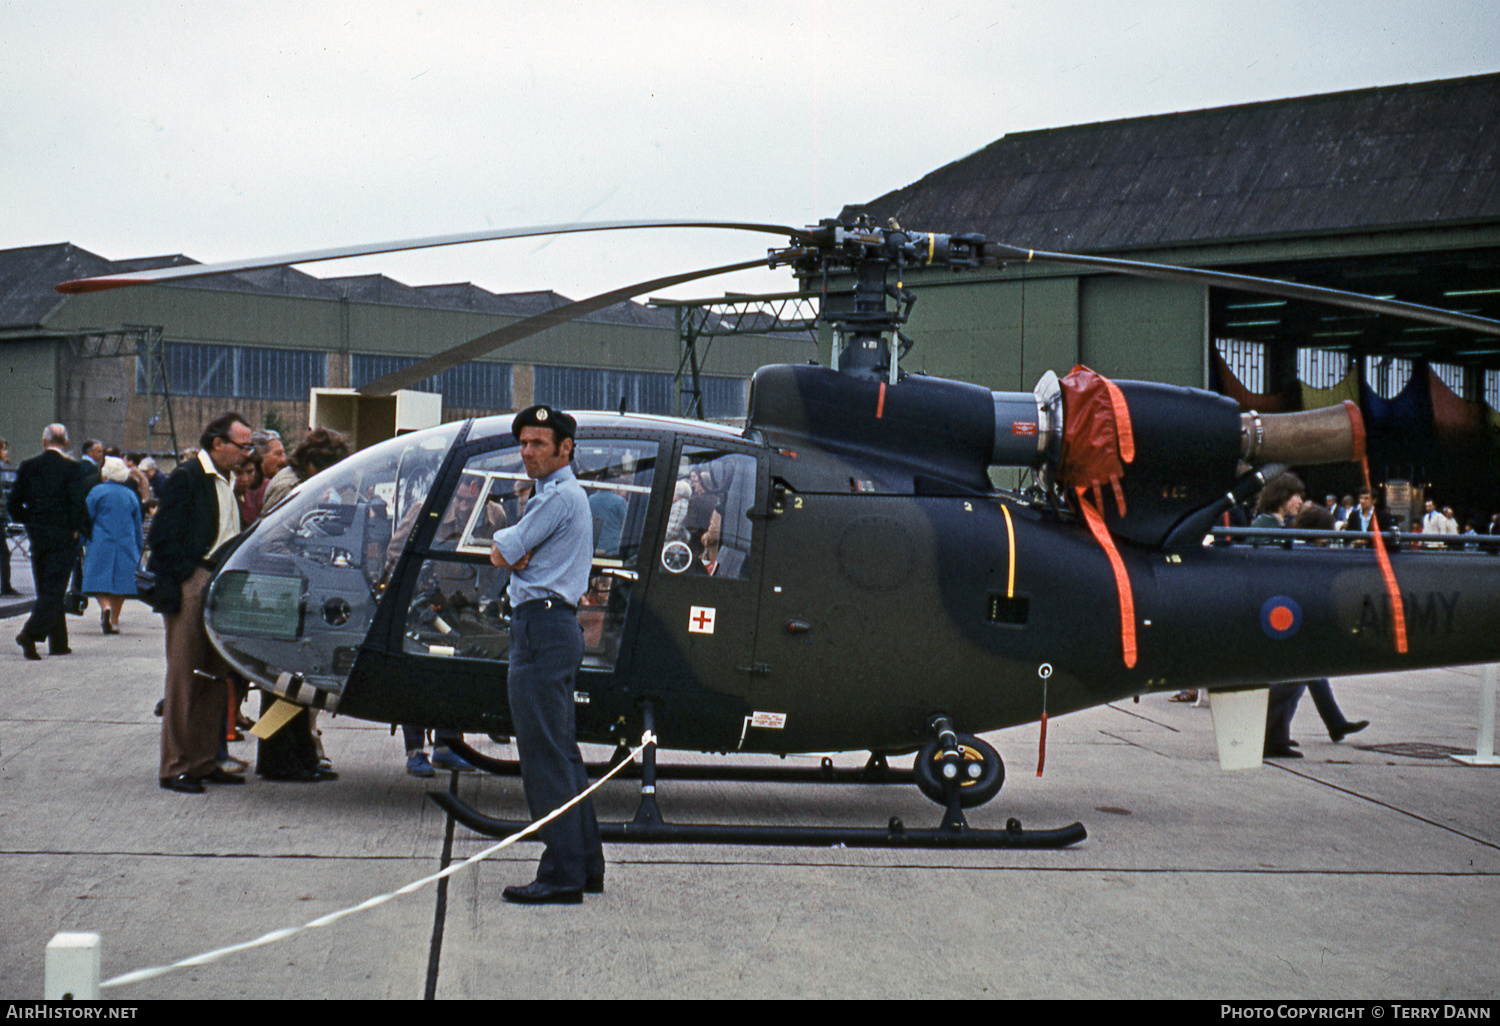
867, 338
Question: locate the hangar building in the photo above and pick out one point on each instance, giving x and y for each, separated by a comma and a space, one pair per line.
1392, 191
259, 341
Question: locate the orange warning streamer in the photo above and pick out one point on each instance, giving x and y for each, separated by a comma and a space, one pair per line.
1398, 611
1101, 535
1123, 431
1041, 755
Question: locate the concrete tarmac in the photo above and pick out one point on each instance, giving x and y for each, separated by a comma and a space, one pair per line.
1369, 869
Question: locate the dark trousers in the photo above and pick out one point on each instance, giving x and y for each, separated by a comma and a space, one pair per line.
53, 553
1282, 706
289, 751
4, 556
1322, 696
193, 706
546, 647
416, 737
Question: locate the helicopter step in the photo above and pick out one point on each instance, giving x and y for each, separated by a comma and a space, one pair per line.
648, 826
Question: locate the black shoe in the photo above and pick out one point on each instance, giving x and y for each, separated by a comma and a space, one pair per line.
104, 624
301, 776
1348, 728
218, 776
9, 593
59, 651
1278, 751
594, 885
28, 647
538, 893
182, 784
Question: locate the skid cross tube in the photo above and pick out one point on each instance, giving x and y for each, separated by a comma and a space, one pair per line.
876, 771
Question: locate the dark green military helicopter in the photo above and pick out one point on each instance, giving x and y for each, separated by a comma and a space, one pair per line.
842, 574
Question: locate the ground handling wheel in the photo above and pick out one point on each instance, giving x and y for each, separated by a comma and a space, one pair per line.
978, 768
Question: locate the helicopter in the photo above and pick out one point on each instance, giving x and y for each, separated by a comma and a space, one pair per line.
842, 574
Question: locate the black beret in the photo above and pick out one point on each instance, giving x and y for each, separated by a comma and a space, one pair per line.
544, 416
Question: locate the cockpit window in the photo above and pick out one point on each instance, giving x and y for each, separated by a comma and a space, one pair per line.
459, 608
708, 528
616, 476
491, 493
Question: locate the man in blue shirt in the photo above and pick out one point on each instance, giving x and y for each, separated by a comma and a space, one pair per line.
549, 553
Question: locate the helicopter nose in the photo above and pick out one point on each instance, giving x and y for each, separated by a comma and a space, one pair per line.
270, 624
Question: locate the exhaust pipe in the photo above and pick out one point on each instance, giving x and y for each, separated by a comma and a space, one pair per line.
1332, 434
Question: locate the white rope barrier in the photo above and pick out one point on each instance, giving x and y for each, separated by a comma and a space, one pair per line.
142, 975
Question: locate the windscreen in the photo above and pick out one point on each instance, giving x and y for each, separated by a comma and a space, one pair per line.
300, 592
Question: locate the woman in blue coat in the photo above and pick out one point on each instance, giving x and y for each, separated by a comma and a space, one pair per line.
114, 546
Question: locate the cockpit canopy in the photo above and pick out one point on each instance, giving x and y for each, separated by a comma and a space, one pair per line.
300, 592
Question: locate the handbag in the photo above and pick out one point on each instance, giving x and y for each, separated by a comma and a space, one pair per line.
158, 590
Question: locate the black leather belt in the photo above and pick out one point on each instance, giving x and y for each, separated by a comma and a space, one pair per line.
547, 603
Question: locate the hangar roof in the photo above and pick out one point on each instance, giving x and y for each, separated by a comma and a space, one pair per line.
1423, 154
1404, 158
28, 274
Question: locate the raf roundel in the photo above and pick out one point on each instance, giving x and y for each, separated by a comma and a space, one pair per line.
1280, 617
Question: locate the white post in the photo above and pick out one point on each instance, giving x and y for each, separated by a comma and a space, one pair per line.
72, 972
1484, 751
1239, 719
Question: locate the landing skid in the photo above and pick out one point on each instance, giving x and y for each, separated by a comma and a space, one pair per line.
648, 827
652, 830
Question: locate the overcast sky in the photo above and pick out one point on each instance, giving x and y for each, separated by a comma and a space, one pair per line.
226, 130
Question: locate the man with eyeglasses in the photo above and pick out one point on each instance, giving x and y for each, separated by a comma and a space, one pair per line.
198, 514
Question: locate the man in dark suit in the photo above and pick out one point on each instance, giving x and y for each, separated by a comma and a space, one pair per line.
198, 514
1363, 517
48, 497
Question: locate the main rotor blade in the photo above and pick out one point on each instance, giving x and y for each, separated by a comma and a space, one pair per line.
477, 347
168, 274
1247, 283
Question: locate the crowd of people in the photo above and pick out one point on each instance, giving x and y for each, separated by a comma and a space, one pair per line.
97, 502
1472, 531
91, 515
95, 523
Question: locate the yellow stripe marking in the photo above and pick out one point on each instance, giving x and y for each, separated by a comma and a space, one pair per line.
1010, 538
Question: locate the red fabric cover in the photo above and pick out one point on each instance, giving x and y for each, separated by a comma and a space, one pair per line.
1097, 443
1097, 440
